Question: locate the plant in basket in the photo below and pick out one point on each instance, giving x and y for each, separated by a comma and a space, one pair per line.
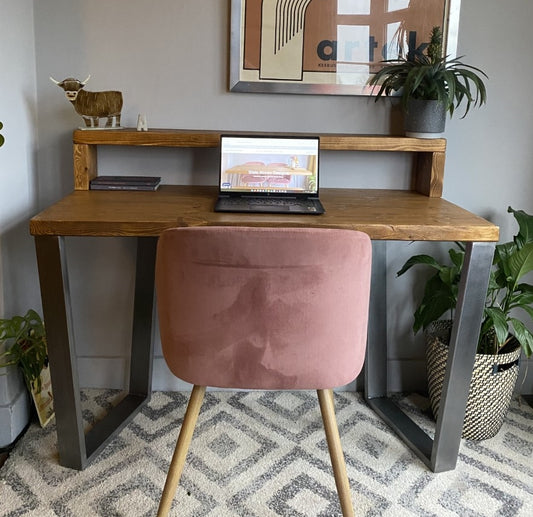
24, 344
503, 334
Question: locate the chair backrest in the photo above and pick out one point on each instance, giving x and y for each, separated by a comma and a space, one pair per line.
265, 308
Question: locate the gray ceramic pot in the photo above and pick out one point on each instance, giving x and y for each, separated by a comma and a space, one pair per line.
424, 119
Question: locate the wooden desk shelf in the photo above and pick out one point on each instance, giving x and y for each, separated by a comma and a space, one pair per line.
428, 168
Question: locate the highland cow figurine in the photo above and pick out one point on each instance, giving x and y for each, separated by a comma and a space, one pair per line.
92, 106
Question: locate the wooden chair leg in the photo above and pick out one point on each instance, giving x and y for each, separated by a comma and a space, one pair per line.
182, 446
325, 398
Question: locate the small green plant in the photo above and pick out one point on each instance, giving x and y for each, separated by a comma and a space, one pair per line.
24, 338
506, 292
432, 76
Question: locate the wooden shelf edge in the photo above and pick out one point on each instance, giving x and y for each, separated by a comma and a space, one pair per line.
210, 138
153, 137
381, 143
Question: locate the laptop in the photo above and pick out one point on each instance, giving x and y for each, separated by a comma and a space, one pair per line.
269, 174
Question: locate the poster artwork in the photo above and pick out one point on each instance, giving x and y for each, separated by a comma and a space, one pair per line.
324, 42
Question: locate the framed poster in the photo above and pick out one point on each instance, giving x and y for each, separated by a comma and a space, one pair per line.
328, 46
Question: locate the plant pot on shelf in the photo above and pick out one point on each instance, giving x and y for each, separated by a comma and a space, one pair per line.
424, 118
493, 381
423, 75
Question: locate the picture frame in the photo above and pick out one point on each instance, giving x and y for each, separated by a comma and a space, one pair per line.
328, 47
43, 397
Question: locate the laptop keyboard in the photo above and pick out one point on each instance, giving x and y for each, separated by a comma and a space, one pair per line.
273, 204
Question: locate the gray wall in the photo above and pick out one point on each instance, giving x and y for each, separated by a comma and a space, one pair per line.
18, 112
170, 59
18, 171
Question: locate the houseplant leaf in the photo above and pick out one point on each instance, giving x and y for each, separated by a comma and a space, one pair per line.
525, 224
457, 256
523, 335
495, 320
419, 259
439, 298
522, 297
25, 340
521, 263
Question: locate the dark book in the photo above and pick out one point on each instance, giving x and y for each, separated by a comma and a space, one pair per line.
124, 187
125, 183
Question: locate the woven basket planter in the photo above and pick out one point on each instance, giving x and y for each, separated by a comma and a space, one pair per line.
493, 381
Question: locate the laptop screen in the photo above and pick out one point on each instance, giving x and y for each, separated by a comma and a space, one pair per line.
269, 165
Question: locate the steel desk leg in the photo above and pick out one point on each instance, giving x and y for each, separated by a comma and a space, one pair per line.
376, 353
439, 454
77, 450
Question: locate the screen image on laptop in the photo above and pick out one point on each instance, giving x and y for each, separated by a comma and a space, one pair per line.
269, 165
285, 168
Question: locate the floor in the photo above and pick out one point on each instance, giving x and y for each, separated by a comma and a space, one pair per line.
249, 459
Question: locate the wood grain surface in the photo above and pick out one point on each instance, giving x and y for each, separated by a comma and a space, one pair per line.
382, 214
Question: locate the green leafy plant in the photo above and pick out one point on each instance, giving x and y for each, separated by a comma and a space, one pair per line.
507, 292
432, 76
24, 338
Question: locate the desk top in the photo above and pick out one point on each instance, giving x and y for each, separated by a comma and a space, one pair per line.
382, 214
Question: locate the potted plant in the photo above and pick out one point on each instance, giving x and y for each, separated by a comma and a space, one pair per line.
503, 334
24, 344
430, 85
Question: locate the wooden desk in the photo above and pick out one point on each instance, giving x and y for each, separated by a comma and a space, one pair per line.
384, 215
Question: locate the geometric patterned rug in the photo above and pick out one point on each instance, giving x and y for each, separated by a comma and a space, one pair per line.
263, 454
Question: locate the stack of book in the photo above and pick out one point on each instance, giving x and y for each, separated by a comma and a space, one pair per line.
125, 183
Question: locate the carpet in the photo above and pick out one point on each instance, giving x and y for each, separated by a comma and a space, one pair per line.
263, 454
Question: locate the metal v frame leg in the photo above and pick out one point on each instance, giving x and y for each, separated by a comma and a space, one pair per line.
77, 450
439, 454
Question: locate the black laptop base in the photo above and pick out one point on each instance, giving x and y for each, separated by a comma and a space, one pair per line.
269, 205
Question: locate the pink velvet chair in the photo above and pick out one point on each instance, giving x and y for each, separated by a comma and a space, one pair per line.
263, 308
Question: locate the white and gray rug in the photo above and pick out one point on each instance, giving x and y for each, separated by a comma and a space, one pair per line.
261, 454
